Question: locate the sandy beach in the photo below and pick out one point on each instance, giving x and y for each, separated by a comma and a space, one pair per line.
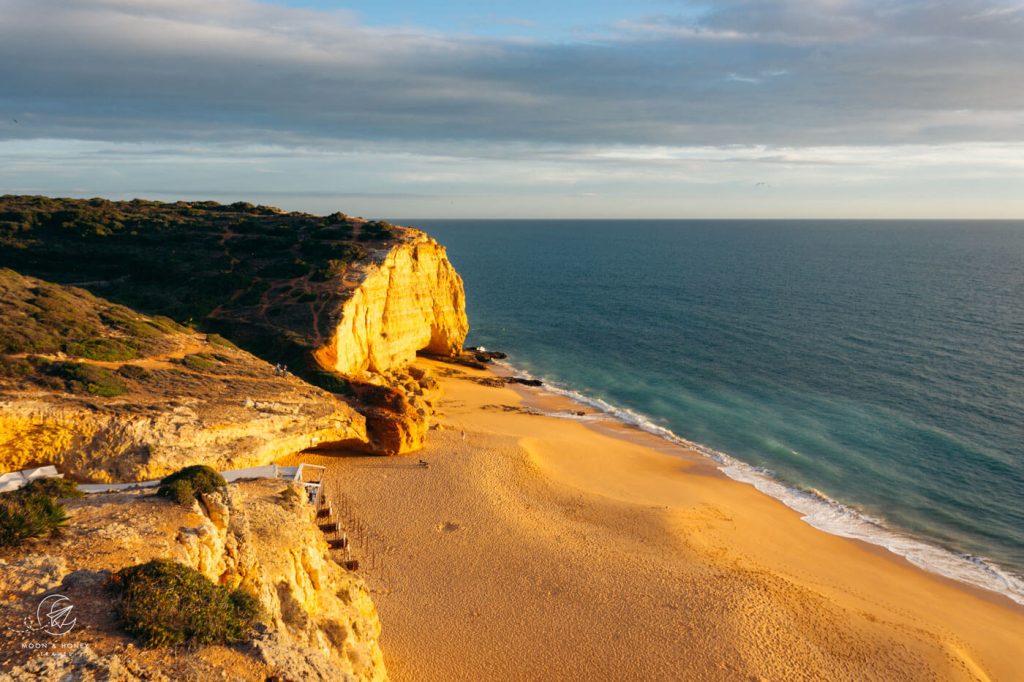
540, 548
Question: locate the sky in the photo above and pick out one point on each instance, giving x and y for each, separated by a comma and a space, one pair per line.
529, 109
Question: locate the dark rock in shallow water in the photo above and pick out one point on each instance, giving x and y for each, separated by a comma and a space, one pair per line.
525, 382
486, 355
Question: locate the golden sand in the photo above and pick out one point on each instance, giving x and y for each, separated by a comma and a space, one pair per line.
539, 548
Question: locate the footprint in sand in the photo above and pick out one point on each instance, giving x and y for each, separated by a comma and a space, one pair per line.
448, 527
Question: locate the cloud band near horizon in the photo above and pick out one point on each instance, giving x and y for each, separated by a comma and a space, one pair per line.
762, 88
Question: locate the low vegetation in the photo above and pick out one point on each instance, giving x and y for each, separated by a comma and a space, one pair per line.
186, 485
202, 362
51, 319
179, 259
57, 488
79, 377
165, 603
34, 511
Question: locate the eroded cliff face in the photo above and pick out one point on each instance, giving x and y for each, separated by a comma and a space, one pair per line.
413, 300
112, 441
319, 620
107, 394
263, 537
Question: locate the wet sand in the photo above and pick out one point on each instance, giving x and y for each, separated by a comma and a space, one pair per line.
539, 548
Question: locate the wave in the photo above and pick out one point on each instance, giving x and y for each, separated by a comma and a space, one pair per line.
816, 508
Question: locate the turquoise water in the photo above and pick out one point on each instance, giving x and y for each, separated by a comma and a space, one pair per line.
878, 363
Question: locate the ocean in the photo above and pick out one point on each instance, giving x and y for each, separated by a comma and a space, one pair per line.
869, 374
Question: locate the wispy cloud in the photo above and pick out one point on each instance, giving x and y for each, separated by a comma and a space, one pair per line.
136, 94
856, 71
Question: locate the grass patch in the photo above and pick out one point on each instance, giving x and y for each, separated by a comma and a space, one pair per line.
186, 485
165, 603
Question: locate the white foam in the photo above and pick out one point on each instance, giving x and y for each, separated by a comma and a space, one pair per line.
816, 508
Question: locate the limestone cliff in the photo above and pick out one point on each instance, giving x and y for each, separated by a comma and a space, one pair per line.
412, 300
107, 394
319, 620
345, 302
137, 438
263, 538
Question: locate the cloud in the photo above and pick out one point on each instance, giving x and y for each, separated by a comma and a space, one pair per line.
744, 72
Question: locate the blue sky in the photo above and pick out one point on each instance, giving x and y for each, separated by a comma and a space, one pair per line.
536, 19
658, 108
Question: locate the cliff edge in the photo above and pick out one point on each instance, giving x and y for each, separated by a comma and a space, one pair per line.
107, 394
344, 302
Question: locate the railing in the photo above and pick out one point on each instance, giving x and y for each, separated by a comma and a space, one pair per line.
17, 479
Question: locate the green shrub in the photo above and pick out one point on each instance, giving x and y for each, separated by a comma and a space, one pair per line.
375, 229
131, 323
218, 340
188, 484
80, 377
14, 368
330, 381
133, 372
201, 362
56, 488
109, 350
25, 514
165, 603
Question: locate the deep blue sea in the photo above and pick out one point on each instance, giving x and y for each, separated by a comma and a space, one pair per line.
868, 373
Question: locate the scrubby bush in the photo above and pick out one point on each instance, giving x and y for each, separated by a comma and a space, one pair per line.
165, 603
188, 484
56, 488
200, 362
109, 350
133, 372
218, 340
376, 229
329, 381
14, 368
82, 378
26, 514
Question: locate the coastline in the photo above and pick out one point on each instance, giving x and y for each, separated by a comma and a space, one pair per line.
540, 547
816, 508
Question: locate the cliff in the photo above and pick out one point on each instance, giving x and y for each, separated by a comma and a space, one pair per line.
319, 621
413, 300
345, 302
107, 394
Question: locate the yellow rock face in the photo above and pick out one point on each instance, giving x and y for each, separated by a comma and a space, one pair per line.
122, 442
412, 300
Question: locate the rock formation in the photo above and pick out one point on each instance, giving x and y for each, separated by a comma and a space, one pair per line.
171, 398
344, 301
413, 300
319, 621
